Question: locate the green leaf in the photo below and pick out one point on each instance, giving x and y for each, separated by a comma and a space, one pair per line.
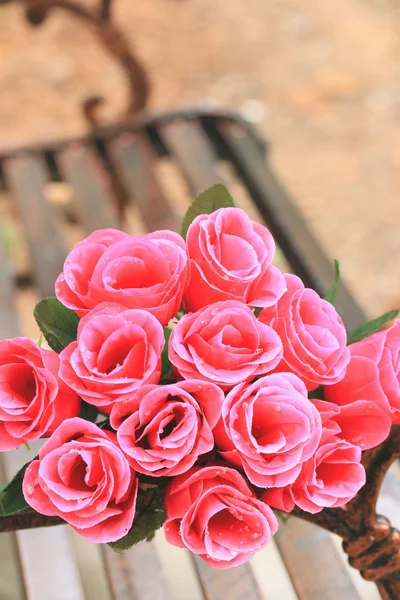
318, 393
282, 516
330, 296
257, 310
150, 516
217, 196
371, 327
11, 498
88, 412
165, 362
58, 323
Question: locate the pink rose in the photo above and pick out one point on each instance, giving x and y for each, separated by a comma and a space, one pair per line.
334, 474
223, 343
164, 429
269, 428
33, 399
117, 351
83, 477
213, 512
373, 374
137, 271
313, 335
230, 259
330, 479
360, 423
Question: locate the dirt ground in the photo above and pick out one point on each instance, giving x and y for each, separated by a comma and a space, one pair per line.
322, 78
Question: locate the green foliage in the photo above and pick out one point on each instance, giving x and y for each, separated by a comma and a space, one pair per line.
88, 412
318, 393
58, 323
217, 196
371, 327
150, 516
330, 296
11, 497
166, 366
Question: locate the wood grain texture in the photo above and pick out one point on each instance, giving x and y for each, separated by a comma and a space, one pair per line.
27, 177
194, 153
136, 164
92, 189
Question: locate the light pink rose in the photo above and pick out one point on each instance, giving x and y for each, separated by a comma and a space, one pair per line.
230, 259
83, 477
117, 350
334, 474
212, 511
33, 399
164, 429
137, 271
373, 374
313, 335
269, 428
223, 343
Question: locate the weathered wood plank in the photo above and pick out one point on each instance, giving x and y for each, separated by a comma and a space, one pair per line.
313, 562
136, 162
48, 565
194, 152
93, 192
237, 583
136, 574
27, 177
285, 221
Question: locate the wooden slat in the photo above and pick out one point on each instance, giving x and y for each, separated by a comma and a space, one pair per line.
48, 566
136, 165
8, 314
179, 571
10, 576
313, 562
237, 583
271, 575
136, 574
193, 150
93, 192
285, 221
27, 177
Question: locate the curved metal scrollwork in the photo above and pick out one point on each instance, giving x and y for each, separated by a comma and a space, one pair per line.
99, 18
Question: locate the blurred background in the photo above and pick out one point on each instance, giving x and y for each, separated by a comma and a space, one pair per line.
321, 80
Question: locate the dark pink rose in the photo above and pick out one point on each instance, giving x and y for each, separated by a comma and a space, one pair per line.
334, 474
117, 351
164, 429
313, 335
213, 512
137, 271
269, 428
33, 399
83, 477
223, 343
331, 478
373, 375
230, 259
360, 423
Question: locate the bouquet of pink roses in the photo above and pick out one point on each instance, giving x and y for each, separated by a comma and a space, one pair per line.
191, 384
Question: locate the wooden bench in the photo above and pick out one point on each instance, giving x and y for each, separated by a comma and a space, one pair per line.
138, 176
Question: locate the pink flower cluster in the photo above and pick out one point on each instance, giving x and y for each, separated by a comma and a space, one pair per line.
234, 423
